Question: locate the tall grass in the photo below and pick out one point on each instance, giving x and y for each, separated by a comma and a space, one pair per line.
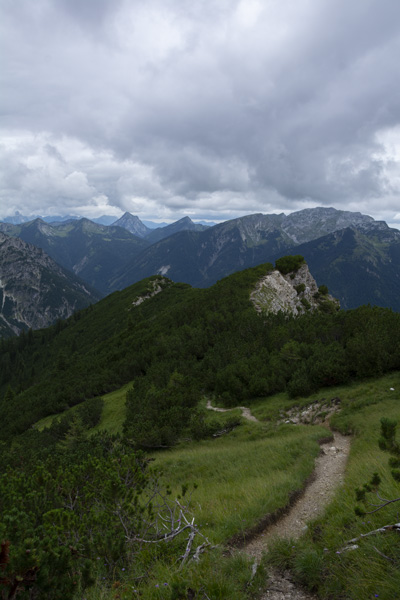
250, 472
372, 570
243, 476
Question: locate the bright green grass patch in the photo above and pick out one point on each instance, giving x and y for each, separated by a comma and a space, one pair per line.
242, 476
363, 572
114, 411
112, 417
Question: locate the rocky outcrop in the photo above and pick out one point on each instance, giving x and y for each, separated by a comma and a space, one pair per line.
294, 293
316, 413
34, 290
156, 285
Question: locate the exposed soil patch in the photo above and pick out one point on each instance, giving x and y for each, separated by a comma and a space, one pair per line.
246, 414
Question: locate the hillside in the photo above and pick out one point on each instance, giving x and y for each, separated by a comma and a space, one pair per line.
34, 290
359, 266
182, 342
82, 509
90, 250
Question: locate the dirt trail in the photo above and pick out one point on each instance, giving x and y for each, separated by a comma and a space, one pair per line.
328, 475
245, 411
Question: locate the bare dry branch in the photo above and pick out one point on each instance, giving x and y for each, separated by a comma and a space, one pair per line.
351, 544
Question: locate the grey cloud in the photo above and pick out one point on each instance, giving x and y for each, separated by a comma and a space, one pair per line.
254, 105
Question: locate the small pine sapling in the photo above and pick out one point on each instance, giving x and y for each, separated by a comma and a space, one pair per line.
387, 443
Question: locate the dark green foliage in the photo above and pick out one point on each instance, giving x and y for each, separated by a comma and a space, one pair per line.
300, 288
79, 513
287, 264
323, 290
90, 412
387, 443
58, 515
328, 306
182, 343
156, 417
305, 303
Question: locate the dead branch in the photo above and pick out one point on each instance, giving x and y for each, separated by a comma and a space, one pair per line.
383, 555
384, 502
168, 521
352, 544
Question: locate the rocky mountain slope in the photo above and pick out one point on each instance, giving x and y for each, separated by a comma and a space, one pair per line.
295, 293
34, 290
133, 224
359, 265
369, 272
91, 251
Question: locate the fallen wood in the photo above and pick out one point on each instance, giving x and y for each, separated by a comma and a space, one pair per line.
352, 544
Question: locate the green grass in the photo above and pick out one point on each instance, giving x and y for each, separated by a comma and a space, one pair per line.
114, 411
363, 572
112, 418
353, 397
242, 476
250, 472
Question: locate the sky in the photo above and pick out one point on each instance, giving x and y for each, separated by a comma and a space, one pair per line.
208, 108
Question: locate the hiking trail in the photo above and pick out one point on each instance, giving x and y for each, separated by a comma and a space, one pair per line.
328, 474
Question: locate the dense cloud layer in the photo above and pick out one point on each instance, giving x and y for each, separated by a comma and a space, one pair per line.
214, 109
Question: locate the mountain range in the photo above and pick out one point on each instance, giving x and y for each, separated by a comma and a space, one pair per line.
90, 250
354, 255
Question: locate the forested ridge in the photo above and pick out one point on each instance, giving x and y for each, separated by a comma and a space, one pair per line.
66, 496
183, 343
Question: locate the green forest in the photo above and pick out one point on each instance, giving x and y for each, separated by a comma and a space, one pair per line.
90, 514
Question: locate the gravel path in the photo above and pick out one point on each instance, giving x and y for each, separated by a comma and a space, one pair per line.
328, 474
245, 411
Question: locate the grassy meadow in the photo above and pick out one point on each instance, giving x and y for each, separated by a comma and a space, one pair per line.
234, 480
242, 476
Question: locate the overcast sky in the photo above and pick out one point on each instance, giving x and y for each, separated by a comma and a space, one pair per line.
207, 108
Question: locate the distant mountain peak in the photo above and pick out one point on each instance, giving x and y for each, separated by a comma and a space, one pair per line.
184, 224
133, 224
